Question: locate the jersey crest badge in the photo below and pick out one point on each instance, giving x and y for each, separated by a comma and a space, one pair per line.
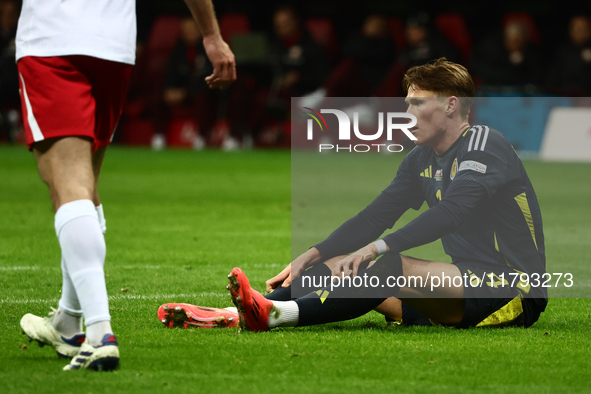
454, 169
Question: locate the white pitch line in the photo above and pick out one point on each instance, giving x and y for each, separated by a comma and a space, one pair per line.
124, 297
21, 268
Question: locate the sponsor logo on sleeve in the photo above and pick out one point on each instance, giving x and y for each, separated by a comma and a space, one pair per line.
472, 165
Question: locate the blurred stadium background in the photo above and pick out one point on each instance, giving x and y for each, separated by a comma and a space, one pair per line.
321, 48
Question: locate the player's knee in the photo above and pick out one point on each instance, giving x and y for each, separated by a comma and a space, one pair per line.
407, 267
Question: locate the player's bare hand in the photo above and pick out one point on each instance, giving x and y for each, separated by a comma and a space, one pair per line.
280, 279
222, 59
350, 264
294, 269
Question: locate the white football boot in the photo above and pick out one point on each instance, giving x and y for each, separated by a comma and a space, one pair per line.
41, 330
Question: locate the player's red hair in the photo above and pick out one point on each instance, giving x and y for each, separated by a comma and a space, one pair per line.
444, 78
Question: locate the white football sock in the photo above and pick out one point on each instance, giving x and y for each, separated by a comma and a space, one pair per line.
83, 249
96, 331
232, 309
69, 300
284, 314
66, 323
68, 318
101, 218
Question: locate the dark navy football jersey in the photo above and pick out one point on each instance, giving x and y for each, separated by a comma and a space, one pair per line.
482, 207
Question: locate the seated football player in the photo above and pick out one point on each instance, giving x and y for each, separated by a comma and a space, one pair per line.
481, 205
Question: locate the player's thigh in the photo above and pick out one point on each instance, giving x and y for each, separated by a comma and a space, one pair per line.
65, 164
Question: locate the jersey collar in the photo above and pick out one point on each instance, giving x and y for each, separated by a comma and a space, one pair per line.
452, 147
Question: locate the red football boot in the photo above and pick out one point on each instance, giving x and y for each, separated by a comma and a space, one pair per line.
253, 308
187, 315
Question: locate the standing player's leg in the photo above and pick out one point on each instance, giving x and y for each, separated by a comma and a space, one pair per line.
68, 319
60, 116
65, 165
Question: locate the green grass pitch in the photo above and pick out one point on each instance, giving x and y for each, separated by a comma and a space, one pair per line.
179, 221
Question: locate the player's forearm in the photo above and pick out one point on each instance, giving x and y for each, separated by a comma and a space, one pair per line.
352, 235
312, 256
427, 227
204, 15
363, 228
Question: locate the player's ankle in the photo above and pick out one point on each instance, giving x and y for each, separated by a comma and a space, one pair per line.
95, 332
67, 323
284, 314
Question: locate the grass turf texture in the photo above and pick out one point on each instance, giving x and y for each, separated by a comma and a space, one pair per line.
178, 221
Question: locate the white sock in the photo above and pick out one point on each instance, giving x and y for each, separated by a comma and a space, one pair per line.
232, 309
66, 323
83, 250
69, 300
284, 314
96, 331
68, 319
101, 218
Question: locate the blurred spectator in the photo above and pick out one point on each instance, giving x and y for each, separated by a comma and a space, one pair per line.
299, 66
186, 95
302, 62
188, 66
570, 73
222, 116
366, 59
369, 67
509, 59
9, 95
423, 44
